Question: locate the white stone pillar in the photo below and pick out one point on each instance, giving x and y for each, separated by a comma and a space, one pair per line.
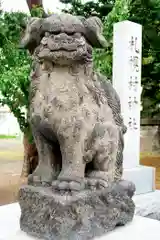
127, 51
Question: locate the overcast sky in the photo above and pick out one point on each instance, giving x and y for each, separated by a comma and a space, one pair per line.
21, 5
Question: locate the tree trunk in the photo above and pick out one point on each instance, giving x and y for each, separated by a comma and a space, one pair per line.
38, 3
30, 157
30, 152
31, 3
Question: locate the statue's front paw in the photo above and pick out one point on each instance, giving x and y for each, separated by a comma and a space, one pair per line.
41, 176
69, 185
128, 187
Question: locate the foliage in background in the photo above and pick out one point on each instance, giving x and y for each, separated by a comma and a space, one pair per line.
37, 11
147, 13
99, 8
15, 64
14, 67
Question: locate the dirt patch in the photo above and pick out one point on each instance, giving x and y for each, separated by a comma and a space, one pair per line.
11, 160
9, 185
8, 194
9, 191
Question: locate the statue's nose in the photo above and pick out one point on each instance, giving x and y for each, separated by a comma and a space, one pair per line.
62, 37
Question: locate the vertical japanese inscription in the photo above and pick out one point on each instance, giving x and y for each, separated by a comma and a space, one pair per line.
133, 83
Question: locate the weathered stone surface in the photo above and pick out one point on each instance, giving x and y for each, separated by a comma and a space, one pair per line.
82, 216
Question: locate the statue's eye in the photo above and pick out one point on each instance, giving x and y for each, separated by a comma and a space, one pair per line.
70, 33
56, 33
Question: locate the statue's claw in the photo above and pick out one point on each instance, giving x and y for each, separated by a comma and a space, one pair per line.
95, 184
68, 185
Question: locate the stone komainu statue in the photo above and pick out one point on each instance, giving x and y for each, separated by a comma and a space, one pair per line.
74, 113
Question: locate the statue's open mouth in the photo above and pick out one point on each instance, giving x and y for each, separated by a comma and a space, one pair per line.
63, 50
68, 47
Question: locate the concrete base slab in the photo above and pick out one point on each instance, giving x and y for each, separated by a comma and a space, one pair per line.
148, 205
142, 177
140, 228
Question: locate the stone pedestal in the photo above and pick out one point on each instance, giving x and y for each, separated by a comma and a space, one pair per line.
85, 215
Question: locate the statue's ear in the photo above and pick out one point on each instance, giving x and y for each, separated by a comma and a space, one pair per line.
28, 21
94, 32
36, 23
32, 34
